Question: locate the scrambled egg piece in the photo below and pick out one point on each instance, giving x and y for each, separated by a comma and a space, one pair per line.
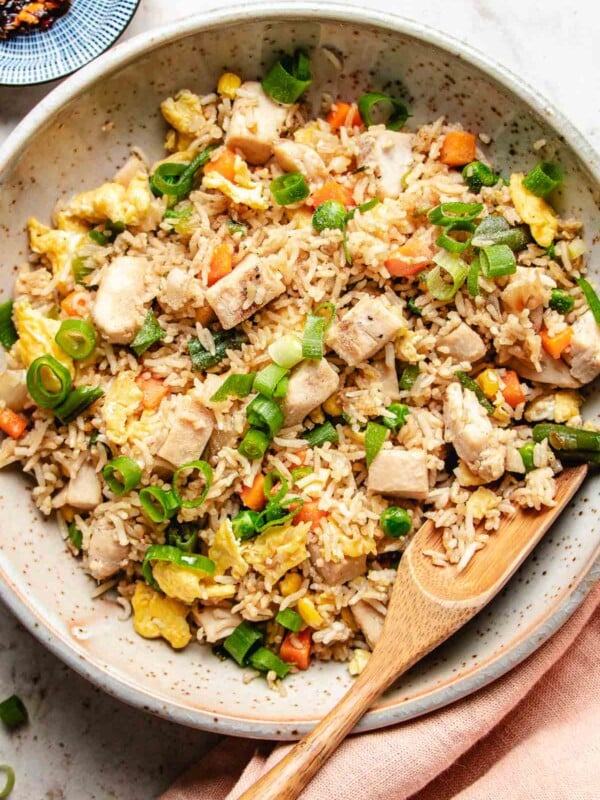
353, 548
567, 405
535, 211
183, 113
465, 477
58, 246
36, 335
131, 205
278, 550
187, 585
155, 616
225, 552
122, 401
481, 501
244, 190
358, 661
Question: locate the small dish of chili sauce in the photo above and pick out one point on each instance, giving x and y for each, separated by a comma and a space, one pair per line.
23, 17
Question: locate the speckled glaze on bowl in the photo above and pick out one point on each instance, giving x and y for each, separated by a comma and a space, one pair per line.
76, 138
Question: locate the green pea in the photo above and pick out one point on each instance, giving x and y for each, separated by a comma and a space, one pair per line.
395, 522
330, 214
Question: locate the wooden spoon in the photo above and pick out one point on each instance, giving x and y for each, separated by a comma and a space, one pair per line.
428, 604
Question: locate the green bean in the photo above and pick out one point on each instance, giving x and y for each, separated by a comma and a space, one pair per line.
563, 437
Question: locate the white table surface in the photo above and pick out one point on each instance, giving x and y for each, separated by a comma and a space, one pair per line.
82, 744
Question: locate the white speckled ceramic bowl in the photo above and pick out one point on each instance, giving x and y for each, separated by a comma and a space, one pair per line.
64, 146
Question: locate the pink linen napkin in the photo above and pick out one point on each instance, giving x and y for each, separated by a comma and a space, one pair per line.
534, 734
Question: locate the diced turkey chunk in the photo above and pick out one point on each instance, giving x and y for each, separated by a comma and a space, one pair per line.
105, 555
469, 430
217, 623
190, 428
84, 490
553, 371
529, 287
584, 353
250, 286
255, 123
118, 311
369, 621
389, 154
400, 473
334, 573
364, 330
13, 389
462, 344
296, 157
310, 385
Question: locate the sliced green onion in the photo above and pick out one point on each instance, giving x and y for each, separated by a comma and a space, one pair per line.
448, 213
321, 434
172, 555
279, 513
202, 359
395, 522
330, 215
496, 230
369, 205
242, 641
498, 260
267, 380
476, 174
592, 298
75, 536
8, 332
234, 227
543, 178
122, 474
10, 780
148, 334
265, 660
265, 414
300, 472
565, 437
561, 301
281, 388
157, 504
77, 402
551, 251
175, 179
254, 444
207, 474
77, 338
527, 456
375, 436
451, 244
412, 306
272, 478
469, 383
290, 619
397, 111
237, 385
288, 79
314, 331
289, 188
48, 382
183, 537
98, 238
245, 524
473, 278
446, 264
179, 213
397, 419
287, 351
409, 375
13, 711
80, 270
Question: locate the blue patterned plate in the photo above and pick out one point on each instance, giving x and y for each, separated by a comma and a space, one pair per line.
87, 30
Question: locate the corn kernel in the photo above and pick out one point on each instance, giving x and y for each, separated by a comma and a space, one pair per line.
68, 513
228, 84
317, 416
348, 618
501, 415
489, 383
204, 315
308, 612
332, 406
290, 584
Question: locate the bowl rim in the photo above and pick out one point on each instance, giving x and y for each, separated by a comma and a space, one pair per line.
394, 711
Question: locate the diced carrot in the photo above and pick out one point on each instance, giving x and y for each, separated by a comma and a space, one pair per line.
344, 114
556, 345
296, 648
12, 423
409, 259
76, 304
224, 164
332, 190
221, 262
458, 148
254, 496
153, 391
513, 391
310, 512
204, 315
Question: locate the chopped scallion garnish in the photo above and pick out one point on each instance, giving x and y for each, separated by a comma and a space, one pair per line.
175, 179
184, 537
122, 474
265, 660
473, 278
164, 552
236, 385
268, 379
242, 641
265, 414
245, 524
9, 784
398, 412
77, 338
77, 402
289, 188
195, 466
447, 264
48, 382
561, 301
287, 351
254, 444
300, 472
288, 79
409, 375
330, 215
157, 504
375, 436
321, 434
449, 213
202, 359
75, 536
476, 174
450, 243
148, 334
8, 332
394, 112
592, 298
290, 619
469, 383
543, 178
498, 260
